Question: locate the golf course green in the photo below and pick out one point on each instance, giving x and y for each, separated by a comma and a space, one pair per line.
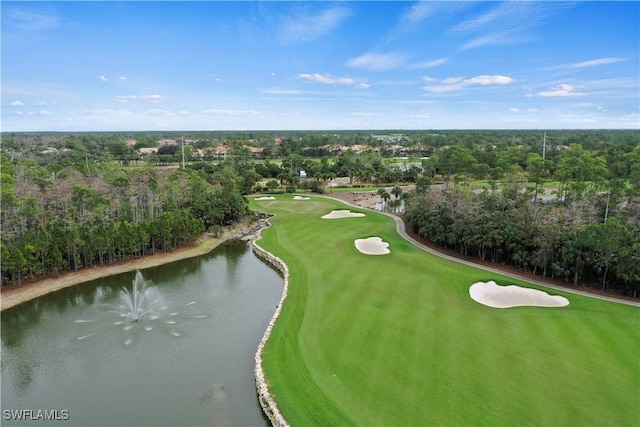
395, 339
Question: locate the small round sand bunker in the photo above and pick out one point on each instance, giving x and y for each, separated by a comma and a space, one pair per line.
301, 198
372, 246
343, 213
496, 296
265, 198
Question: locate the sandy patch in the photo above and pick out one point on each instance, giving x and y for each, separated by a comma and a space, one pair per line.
494, 295
12, 296
343, 213
301, 198
372, 246
265, 198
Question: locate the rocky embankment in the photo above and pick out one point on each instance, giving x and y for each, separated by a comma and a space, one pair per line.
267, 402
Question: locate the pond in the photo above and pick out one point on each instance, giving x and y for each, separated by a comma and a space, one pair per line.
188, 361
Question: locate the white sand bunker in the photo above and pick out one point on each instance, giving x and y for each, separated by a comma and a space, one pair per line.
343, 213
301, 198
372, 246
494, 295
265, 198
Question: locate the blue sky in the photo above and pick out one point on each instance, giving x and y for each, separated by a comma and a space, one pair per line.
241, 65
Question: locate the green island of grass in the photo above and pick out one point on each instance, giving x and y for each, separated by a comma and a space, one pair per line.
396, 339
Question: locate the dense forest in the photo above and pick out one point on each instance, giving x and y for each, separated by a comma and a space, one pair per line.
564, 205
584, 229
68, 215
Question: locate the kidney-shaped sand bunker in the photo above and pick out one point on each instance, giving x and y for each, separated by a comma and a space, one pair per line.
372, 246
342, 213
494, 295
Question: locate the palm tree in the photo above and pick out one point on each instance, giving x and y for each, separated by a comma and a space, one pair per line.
381, 191
396, 191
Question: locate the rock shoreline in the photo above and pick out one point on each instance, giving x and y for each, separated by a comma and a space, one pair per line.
268, 404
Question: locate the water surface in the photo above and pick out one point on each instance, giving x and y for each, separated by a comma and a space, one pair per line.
68, 351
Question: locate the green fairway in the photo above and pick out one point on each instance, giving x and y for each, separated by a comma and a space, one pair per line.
396, 340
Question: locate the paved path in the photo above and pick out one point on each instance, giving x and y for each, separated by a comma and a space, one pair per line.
400, 228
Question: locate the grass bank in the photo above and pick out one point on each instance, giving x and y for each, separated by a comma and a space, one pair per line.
396, 339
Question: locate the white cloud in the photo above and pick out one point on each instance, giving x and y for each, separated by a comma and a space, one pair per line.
331, 80
154, 99
122, 78
16, 103
377, 61
102, 78
304, 26
596, 62
562, 90
451, 84
40, 113
123, 99
514, 110
490, 80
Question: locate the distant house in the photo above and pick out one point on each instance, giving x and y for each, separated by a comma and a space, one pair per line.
220, 152
147, 150
256, 152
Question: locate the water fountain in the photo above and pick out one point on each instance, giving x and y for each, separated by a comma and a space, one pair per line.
143, 305
137, 303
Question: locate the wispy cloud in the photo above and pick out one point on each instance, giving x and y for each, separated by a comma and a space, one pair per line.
305, 26
377, 61
31, 20
562, 90
430, 64
331, 80
418, 12
510, 22
16, 103
596, 62
154, 99
451, 84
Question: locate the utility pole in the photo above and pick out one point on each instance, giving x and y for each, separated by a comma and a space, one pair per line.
183, 152
544, 148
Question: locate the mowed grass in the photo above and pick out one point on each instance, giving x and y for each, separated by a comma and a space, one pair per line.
396, 339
